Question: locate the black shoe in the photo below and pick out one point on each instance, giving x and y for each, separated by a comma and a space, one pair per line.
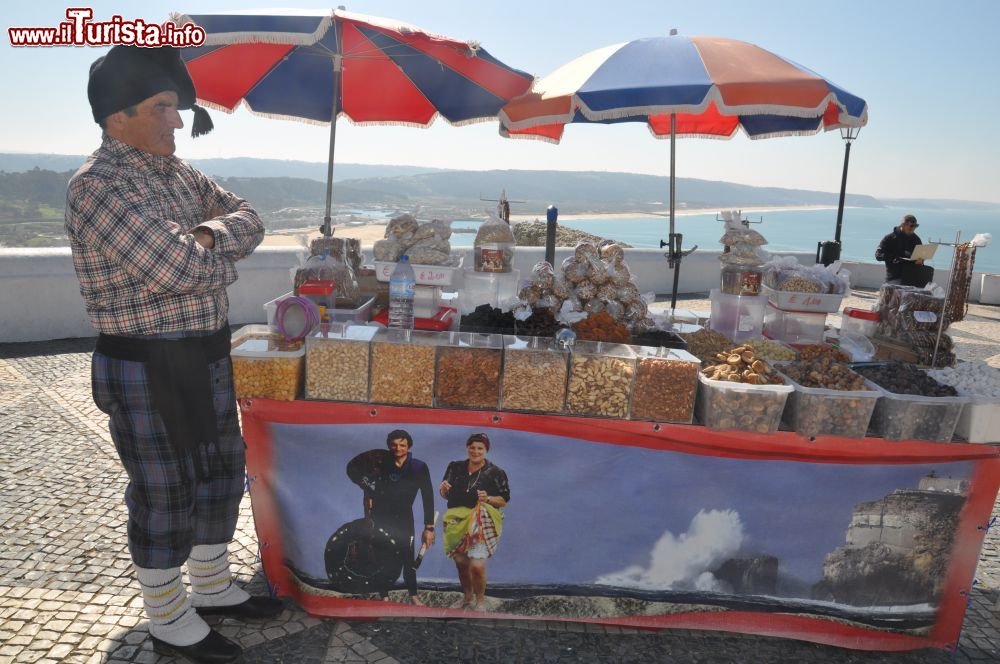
254, 608
213, 649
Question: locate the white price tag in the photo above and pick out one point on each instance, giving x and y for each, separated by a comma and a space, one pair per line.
925, 316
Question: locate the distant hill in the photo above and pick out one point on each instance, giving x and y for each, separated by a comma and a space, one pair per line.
32, 189
246, 167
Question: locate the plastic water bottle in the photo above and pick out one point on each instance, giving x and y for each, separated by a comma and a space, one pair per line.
401, 293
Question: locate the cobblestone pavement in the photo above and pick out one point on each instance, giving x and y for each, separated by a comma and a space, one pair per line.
67, 593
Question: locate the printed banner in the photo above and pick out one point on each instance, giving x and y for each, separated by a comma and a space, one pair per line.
863, 544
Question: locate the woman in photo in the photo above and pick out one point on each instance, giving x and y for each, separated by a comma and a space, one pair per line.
476, 490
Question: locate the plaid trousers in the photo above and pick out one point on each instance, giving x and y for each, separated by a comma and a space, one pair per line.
169, 510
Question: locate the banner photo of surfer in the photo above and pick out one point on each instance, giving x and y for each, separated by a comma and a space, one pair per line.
397, 517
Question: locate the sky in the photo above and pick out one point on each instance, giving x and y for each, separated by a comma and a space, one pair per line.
926, 69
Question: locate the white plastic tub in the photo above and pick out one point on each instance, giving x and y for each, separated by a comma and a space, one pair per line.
427, 275
361, 314
813, 302
980, 420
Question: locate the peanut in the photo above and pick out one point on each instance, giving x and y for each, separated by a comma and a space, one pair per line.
337, 370
664, 389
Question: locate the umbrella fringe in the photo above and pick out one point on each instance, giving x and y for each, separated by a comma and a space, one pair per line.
528, 137
358, 123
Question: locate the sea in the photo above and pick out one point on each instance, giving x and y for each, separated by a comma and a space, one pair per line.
797, 230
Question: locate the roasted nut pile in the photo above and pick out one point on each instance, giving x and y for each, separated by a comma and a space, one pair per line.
822, 351
267, 377
826, 373
599, 386
664, 389
818, 414
601, 327
337, 370
468, 377
766, 349
799, 284
402, 374
741, 408
705, 343
908, 420
741, 365
534, 380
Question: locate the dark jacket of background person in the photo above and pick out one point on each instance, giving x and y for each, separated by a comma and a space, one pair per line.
892, 249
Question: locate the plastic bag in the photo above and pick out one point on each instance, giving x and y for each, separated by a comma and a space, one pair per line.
493, 248
328, 268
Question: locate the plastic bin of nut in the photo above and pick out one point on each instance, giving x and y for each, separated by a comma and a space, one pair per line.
337, 362
248, 332
666, 383
402, 367
819, 411
727, 405
534, 374
907, 408
600, 379
468, 370
268, 369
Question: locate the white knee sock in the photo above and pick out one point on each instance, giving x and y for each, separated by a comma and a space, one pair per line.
211, 581
171, 617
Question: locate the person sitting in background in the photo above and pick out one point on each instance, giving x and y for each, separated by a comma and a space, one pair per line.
895, 250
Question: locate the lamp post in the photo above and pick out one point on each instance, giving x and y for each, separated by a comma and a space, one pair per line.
828, 252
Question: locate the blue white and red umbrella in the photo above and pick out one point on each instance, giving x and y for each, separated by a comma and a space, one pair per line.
706, 87
714, 86
318, 66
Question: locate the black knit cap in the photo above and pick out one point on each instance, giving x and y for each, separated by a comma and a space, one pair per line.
128, 75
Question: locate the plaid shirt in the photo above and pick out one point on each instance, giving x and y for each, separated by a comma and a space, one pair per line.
129, 217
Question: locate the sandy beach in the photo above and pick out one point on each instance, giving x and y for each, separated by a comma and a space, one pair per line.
371, 232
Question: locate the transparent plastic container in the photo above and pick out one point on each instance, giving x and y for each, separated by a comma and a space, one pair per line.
913, 417
814, 411
268, 369
724, 405
496, 289
666, 384
741, 279
468, 370
794, 327
859, 322
737, 316
534, 375
357, 310
600, 379
402, 367
337, 363
248, 332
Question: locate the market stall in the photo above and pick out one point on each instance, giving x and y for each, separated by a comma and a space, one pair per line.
658, 473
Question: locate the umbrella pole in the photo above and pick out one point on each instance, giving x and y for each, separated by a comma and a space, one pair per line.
337, 69
674, 257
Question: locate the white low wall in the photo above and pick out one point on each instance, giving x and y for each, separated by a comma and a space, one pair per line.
40, 297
